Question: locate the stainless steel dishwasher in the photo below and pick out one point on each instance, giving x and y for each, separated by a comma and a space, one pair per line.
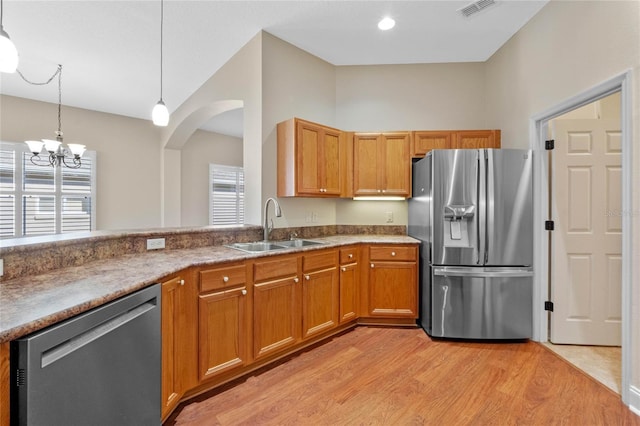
101, 367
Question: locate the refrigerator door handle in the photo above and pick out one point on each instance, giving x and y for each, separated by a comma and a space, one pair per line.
490, 212
482, 208
473, 272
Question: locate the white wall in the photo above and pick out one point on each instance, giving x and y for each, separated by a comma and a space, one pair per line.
128, 157
566, 49
295, 84
202, 149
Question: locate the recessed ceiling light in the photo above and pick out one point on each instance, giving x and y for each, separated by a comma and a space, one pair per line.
386, 23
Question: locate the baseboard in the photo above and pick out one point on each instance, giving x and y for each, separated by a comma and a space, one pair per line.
634, 400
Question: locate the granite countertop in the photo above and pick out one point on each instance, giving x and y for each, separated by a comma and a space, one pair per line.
31, 303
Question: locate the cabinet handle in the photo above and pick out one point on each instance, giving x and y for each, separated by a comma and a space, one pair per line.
350, 256
295, 280
372, 265
393, 253
344, 269
181, 282
307, 277
225, 279
244, 292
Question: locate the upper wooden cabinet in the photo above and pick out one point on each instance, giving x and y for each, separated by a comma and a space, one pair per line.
465, 139
310, 159
382, 164
425, 140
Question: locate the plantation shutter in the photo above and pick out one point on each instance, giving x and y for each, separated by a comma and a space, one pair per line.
227, 195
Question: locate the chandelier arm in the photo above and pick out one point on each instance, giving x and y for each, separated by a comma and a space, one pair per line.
76, 162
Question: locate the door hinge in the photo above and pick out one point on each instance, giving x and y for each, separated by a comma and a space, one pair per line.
548, 306
549, 145
548, 225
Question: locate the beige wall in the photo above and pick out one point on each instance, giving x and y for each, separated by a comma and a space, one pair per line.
202, 149
128, 156
405, 97
295, 84
566, 49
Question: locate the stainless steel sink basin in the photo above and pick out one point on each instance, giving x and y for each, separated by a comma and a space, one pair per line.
256, 246
262, 246
298, 243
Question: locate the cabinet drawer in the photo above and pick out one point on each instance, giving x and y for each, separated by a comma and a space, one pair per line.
213, 279
269, 269
393, 253
313, 262
348, 255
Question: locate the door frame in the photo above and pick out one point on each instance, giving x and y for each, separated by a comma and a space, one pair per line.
537, 135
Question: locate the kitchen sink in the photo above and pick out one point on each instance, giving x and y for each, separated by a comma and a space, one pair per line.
262, 246
256, 246
298, 243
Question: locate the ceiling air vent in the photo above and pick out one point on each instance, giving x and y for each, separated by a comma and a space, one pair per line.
476, 7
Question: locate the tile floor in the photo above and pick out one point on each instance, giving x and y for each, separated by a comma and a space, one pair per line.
603, 363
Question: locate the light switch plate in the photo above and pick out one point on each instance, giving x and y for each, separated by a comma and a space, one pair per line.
1, 267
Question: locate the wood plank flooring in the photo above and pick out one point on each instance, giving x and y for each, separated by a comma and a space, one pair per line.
392, 376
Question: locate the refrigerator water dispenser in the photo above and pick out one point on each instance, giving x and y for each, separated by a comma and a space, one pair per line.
456, 219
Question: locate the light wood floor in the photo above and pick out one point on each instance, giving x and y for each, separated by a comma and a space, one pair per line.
389, 376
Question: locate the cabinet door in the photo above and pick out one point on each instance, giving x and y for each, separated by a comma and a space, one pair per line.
223, 331
366, 167
397, 164
425, 141
171, 389
393, 289
276, 315
319, 301
348, 292
474, 139
330, 177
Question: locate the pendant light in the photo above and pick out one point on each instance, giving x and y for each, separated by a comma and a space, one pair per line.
8, 51
160, 113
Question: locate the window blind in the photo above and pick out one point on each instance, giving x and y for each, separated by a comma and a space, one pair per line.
226, 196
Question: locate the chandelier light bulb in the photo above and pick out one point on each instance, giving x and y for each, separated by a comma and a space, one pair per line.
160, 114
8, 53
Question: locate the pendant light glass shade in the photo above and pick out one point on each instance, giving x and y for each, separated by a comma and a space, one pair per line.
8, 53
160, 114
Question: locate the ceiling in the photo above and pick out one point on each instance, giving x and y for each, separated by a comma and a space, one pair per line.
110, 50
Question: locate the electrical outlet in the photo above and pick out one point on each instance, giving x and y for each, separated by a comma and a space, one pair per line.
155, 243
389, 217
1, 267
314, 217
308, 217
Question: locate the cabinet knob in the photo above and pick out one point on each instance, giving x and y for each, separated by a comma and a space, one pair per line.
295, 280
307, 277
244, 292
181, 282
225, 279
344, 269
372, 265
350, 255
393, 253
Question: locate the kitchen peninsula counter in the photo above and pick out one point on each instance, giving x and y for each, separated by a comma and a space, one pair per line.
33, 302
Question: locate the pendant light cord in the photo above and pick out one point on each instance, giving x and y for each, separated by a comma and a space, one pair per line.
161, 37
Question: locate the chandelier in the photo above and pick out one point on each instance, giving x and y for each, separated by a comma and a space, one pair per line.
56, 154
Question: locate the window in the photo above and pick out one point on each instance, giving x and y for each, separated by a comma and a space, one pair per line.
37, 200
226, 199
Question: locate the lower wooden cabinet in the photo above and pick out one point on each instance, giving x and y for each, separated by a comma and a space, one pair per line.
320, 293
349, 284
393, 281
179, 339
276, 305
224, 331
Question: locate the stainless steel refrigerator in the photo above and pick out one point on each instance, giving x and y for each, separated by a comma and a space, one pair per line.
472, 210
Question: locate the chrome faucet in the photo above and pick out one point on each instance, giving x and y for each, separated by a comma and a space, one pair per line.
268, 226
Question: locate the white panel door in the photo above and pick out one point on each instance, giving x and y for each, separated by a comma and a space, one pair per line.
586, 253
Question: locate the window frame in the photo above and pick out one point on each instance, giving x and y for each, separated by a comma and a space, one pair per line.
239, 202
58, 193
